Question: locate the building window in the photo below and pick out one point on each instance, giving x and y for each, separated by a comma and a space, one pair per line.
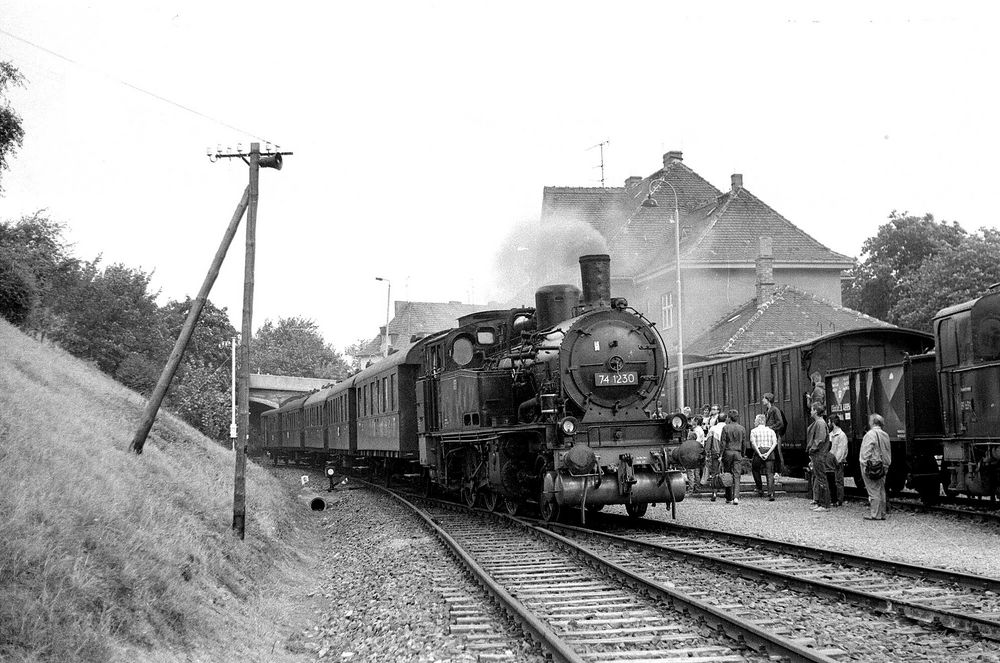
667, 310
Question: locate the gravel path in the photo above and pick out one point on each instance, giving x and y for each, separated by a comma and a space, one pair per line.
918, 538
387, 590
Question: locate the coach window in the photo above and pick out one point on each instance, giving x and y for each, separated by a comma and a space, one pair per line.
375, 401
725, 388
786, 377
392, 392
753, 383
385, 395
775, 385
461, 350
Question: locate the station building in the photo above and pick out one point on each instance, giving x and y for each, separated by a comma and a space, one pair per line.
744, 267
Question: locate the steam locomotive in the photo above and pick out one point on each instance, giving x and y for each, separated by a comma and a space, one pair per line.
554, 405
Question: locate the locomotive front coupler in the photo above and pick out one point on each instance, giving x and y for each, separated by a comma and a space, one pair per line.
626, 474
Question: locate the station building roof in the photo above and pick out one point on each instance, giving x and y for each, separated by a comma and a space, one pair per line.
788, 316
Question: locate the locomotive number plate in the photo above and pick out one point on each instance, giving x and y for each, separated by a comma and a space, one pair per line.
615, 379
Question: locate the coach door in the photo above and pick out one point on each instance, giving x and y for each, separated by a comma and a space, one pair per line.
846, 395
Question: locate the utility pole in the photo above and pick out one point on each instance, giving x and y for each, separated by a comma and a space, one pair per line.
388, 301
160, 391
256, 161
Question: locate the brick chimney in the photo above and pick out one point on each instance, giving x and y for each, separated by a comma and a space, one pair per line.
632, 181
673, 156
765, 270
737, 180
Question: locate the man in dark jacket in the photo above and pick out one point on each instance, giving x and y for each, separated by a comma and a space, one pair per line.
818, 448
734, 442
775, 420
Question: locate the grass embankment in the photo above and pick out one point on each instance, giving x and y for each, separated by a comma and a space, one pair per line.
105, 555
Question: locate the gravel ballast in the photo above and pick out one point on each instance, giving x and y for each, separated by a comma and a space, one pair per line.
917, 538
387, 589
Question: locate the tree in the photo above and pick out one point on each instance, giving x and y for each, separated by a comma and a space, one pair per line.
949, 277
37, 245
109, 315
11, 131
201, 397
897, 250
294, 346
210, 343
353, 352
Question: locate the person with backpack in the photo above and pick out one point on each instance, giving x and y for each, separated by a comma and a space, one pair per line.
875, 458
775, 420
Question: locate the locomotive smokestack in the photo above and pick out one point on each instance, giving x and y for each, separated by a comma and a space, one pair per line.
595, 273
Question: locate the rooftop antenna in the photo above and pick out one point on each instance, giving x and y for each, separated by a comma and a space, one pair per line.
601, 146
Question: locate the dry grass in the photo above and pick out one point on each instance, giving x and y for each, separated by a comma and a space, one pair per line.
105, 555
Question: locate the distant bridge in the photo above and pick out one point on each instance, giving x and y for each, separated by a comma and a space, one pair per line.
268, 392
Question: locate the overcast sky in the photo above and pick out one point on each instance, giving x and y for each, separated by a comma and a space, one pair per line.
424, 131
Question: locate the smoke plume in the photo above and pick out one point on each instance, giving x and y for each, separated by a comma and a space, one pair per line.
535, 254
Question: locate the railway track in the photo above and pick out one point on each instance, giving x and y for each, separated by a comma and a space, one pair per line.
959, 602
580, 606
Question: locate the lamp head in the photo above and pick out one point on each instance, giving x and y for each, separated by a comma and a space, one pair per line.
650, 201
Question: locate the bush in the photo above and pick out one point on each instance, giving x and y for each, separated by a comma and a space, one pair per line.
138, 373
17, 290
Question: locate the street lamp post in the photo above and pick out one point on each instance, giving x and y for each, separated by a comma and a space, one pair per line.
388, 300
654, 185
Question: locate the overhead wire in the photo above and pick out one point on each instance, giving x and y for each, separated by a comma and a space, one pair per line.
132, 86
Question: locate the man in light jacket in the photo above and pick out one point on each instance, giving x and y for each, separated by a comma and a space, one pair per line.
875, 447
838, 447
764, 442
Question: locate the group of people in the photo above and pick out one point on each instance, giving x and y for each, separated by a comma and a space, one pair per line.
826, 444
726, 443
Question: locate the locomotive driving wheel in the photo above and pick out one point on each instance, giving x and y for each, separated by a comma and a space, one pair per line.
548, 507
511, 506
469, 496
491, 500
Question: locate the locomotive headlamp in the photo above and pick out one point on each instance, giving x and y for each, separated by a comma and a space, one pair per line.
678, 423
568, 426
